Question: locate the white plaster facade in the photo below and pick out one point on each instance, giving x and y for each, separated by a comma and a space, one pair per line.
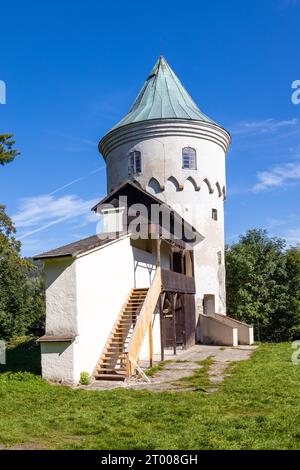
84, 295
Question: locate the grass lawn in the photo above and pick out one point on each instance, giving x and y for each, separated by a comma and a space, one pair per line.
257, 407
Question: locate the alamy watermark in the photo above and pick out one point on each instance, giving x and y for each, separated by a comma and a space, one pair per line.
2, 352
2, 92
296, 93
149, 222
296, 353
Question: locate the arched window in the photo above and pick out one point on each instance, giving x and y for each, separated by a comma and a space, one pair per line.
189, 160
134, 163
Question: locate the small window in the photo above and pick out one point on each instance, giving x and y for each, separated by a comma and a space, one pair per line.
189, 158
214, 214
219, 255
134, 163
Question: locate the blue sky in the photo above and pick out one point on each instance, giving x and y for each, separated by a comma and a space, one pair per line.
72, 69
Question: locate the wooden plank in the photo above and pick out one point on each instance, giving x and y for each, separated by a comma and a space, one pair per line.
190, 319
56, 339
176, 282
161, 307
142, 323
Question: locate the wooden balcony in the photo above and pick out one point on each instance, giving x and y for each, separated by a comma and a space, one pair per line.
175, 282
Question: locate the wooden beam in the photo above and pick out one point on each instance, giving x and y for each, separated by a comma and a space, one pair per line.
193, 261
174, 323
151, 343
161, 307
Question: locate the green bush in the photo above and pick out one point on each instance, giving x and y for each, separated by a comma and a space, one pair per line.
85, 378
263, 285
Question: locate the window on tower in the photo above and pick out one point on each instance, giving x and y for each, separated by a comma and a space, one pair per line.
134, 163
189, 159
214, 214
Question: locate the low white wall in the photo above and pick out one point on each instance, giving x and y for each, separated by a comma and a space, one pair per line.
104, 279
245, 332
214, 331
58, 362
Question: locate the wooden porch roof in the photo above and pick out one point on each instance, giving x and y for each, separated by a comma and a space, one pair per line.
135, 194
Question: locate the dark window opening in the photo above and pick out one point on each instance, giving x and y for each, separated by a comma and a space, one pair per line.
134, 163
177, 262
214, 214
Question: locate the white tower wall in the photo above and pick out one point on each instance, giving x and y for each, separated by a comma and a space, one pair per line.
192, 193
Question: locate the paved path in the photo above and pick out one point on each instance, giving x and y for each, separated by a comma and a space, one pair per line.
183, 365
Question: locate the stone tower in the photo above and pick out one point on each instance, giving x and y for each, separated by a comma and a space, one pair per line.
173, 150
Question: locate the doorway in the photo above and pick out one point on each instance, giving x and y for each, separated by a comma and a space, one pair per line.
209, 307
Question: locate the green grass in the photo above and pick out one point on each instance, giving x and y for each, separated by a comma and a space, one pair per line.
257, 407
153, 370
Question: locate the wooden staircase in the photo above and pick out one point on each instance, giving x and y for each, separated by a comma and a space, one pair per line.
112, 363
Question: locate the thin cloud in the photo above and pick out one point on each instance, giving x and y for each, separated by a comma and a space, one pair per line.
41, 212
278, 176
292, 236
77, 180
265, 126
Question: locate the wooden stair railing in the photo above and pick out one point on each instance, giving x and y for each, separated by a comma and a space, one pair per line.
143, 324
112, 362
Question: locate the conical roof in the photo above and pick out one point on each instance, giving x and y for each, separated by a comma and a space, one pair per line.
163, 96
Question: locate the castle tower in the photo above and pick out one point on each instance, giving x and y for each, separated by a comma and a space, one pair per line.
173, 150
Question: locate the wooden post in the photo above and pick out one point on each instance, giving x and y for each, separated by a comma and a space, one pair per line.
174, 298
192, 260
151, 343
161, 307
158, 242
182, 261
171, 258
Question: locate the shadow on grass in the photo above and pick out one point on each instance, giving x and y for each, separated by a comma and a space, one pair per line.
23, 356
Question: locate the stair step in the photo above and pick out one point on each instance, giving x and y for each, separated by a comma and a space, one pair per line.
119, 369
110, 377
111, 365
111, 371
112, 354
117, 343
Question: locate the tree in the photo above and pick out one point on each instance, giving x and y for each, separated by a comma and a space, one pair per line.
7, 152
261, 286
289, 323
21, 291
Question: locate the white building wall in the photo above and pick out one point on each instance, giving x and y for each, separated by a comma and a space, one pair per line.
58, 363
84, 298
60, 285
104, 279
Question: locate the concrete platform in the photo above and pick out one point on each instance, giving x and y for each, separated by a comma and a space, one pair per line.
184, 364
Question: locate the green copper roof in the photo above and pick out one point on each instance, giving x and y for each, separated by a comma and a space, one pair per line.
163, 96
